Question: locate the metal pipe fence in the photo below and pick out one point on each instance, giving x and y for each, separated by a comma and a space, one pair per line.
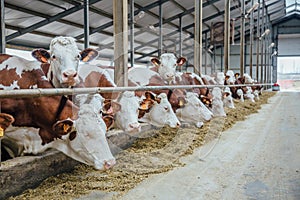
39, 92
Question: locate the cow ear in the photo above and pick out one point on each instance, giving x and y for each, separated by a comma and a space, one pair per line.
5, 121
109, 121
181, 102
88, 54
63, 127
149, 95
155, 61
41, 55
115, 106
181, 61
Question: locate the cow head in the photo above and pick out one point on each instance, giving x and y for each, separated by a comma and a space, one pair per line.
227, 98
127, 118
248, 79
217, 103
84, 139
229, 77
64, 58
193, 110
167, 65
161, 113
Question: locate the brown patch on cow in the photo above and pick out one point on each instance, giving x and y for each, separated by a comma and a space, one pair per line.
45, 67
97, 79
5, 120
11, 73
4, 57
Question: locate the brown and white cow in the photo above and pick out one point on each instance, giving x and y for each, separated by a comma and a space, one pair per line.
166, 66
79, 134
63, 59
130, 110
182, 102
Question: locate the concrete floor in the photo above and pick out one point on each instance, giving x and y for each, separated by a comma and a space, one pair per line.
258, 158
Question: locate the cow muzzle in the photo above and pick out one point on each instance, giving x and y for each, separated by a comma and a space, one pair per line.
70, 78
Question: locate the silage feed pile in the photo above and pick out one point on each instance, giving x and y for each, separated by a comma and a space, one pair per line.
153, 152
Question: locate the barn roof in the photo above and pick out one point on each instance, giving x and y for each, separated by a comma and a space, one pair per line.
32, 23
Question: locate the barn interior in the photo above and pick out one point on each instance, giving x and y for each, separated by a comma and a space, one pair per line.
258, 37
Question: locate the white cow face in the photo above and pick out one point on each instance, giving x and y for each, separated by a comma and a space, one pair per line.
248, 79
64, 58
161, 113
227, 98
127, 118
220, 78
194, 111
86, 141
167, 66
217, 103
230, 79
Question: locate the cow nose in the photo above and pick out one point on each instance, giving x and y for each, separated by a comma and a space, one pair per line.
70, 74
109, 164
134, 125
169, 75
178, 125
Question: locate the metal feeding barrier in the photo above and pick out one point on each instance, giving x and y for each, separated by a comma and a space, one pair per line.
39, 92
23, 93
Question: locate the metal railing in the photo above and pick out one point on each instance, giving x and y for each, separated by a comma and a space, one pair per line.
39, 92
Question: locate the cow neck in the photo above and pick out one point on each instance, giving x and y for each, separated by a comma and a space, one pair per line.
169, 94
61, 106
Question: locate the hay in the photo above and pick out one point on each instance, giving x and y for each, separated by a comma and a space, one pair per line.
154, 152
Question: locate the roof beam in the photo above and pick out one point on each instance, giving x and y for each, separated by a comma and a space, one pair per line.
44, 22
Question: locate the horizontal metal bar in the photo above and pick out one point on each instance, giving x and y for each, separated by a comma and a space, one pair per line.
22, 93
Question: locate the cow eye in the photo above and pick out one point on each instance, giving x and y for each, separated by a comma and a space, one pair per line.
78, 56
166, 108
53, 57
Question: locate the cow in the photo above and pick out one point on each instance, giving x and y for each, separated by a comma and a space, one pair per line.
130, 112
182, 102
63, 60
78, 133
166, 66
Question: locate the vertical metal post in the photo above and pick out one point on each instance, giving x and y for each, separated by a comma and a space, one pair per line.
86, 24
222, 54
160, 39
180, 36
251, 42
205, 55
120, 18
180, 40
257, 41
227, 36
198, 37
2, 24
242, 39
262, 42
132, 33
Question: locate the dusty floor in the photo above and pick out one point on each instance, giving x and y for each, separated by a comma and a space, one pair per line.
154, 152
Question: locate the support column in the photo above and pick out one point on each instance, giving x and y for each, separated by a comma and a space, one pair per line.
86, 24
257, 41
205, 55
262, 42
131, 33
2, 24
251, 42
120, 17
198, 38
242, 40
160, 39
227, 37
